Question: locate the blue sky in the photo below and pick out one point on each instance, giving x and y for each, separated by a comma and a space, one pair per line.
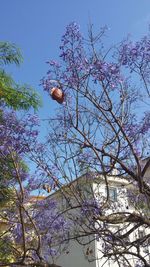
36, 27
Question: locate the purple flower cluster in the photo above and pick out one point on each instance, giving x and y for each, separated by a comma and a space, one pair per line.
136, 57
135, 54
16, 135
106, 72
77, 66
145, 125
90, 207
17, 233
73, 55
52, 225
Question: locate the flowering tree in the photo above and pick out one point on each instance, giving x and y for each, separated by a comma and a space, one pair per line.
20, 240
24, 238
12, 96
102, 129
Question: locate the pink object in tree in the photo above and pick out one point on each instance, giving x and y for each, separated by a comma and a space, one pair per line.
57, 94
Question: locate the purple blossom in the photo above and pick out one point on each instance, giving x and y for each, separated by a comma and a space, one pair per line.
17, 232
91, 207
16, 135
135, 56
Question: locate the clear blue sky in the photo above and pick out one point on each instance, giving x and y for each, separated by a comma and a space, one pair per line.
36, 27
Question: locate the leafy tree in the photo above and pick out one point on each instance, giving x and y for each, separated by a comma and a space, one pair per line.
12, 94
102, 129
21, 227
9, 54
15, 97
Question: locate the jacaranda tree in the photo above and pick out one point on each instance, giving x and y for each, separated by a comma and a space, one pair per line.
13, 144
102, 128
24, 240
13, 96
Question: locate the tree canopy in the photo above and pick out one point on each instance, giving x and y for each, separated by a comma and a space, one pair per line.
99, 134
102, 129
13, 97
12, 94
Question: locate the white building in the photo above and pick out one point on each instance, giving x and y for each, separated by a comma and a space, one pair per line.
87, 250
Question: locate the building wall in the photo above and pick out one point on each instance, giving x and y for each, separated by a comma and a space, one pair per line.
90, 255
76, 256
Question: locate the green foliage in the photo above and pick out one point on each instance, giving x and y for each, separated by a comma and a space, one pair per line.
14, 95
6, 194
9, 54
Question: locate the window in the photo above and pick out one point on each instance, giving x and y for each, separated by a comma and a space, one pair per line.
112, 193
